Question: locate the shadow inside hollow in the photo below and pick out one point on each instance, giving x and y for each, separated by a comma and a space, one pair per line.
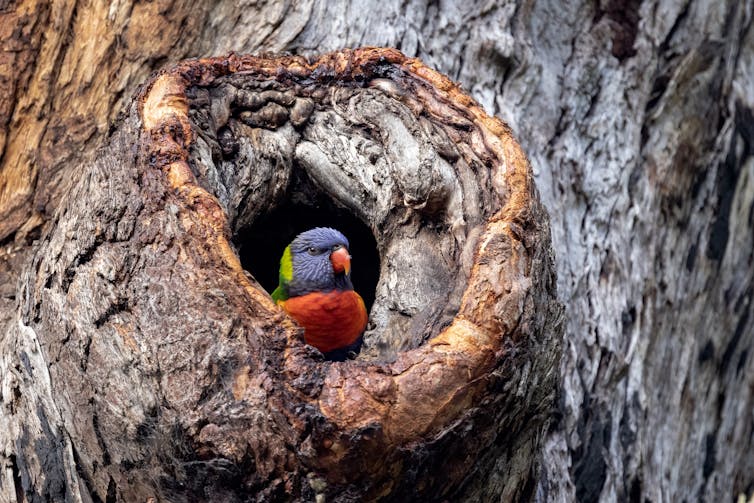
261, 245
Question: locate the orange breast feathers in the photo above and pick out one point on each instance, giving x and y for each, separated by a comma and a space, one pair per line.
331, 320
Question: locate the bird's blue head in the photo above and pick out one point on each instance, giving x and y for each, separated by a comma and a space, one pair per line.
319, 261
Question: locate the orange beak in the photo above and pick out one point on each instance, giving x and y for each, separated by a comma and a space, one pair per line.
341, 261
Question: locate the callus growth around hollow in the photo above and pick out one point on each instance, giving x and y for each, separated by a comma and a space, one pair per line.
148, 364
315, 289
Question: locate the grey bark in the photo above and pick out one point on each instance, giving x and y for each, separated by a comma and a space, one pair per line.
637, 118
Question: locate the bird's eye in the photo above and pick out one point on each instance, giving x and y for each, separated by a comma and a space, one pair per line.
312, 250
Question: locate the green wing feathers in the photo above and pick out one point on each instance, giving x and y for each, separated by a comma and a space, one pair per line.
285, 276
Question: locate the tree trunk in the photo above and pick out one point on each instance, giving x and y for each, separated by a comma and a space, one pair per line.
171, 374
638, 120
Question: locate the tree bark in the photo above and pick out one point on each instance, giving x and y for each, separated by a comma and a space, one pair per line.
171, 374
637, 118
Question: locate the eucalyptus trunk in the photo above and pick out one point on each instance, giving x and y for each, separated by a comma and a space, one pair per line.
636, 117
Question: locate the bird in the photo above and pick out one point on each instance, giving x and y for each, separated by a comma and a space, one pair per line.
315, 289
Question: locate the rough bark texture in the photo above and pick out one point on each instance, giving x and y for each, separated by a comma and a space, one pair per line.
171, 374
638, 120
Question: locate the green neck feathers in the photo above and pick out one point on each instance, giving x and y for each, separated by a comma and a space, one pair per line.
285, 276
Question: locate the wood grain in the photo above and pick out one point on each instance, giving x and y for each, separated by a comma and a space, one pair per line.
174, 374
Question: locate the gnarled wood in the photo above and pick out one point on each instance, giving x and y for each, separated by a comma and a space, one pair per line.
636, 117
172, 374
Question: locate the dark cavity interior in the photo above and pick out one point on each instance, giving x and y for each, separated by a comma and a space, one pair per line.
281, 161
262, 243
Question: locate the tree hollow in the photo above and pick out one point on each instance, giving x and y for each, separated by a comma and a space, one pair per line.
172, 372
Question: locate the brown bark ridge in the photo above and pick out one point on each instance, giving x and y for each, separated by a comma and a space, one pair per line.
148, 363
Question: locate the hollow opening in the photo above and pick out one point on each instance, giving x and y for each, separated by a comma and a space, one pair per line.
262, 243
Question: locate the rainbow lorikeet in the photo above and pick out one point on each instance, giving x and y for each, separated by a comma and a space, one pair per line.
315, 289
